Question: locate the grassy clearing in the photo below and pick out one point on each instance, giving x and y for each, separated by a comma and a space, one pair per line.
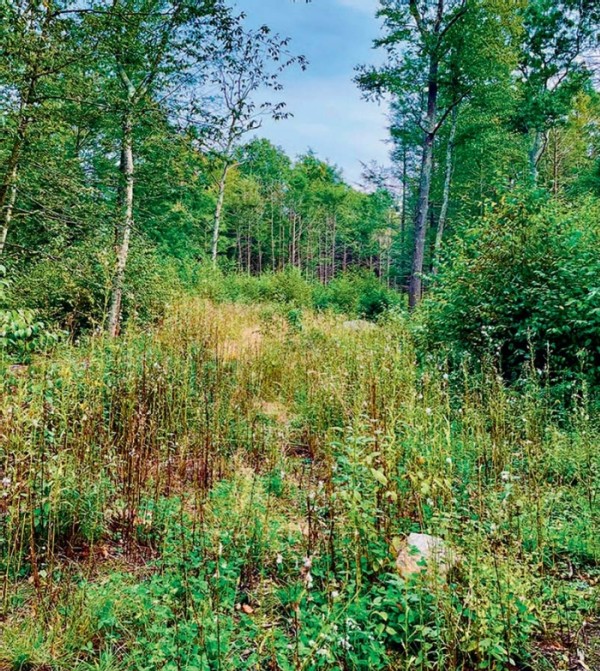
226, 492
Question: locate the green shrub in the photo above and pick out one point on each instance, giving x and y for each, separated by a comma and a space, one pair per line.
288, 287
523, 285
73, 291
360, 294
21, 333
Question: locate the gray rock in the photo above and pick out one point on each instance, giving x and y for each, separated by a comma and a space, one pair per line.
421, 552
358, 325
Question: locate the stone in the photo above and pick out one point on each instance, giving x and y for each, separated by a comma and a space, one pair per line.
358, 325
422, 552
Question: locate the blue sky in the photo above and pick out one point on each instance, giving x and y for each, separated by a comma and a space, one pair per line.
329, 115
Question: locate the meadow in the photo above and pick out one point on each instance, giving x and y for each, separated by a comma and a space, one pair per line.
228, 490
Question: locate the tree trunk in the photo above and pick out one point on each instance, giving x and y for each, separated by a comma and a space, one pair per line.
273, 264
8, 188
538, 147
415, 289
446, 195
8, 210
218, 212
124, 236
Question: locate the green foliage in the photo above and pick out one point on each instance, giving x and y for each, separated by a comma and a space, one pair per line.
229, 491
360, 294
21, 332
72, 290
523, 284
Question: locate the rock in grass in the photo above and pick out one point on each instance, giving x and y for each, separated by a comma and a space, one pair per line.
421, 552
358, 325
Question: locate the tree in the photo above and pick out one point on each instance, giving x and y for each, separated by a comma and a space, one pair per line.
419, 41
150, 47
36, 51
552, 71
246, 63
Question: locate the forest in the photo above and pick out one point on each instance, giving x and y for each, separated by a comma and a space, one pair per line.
258, 414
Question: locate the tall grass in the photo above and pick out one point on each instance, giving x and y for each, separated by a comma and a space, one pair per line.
226, 492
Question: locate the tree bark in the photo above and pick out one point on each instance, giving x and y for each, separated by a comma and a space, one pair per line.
415, 289
8, 188
124, 234
8, 210
536, 152
218, 212
446, 194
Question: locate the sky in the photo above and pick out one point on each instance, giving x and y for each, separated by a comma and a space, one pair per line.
329, 115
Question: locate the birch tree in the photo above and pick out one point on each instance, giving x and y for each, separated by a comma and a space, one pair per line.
558, 34
151, 51
246, 66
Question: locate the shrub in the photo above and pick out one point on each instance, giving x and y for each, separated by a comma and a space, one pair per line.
523, 285
73, 291
21, 333
360, 294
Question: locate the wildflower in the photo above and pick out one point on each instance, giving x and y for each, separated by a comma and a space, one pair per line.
505, 476
6, 482
449, 461
323, 652
446, 376
279, 559
345, 643
335, 594
429, 411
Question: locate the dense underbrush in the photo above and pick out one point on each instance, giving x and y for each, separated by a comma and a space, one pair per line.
227, 492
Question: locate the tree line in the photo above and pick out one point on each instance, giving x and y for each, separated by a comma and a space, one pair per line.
128, 124
486, 96
129, 150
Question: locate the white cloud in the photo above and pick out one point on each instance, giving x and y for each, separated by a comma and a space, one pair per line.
331, 118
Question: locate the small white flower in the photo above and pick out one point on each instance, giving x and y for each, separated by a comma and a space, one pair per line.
279, 559
345, 643
323, 652
446, 376
307, 562
428, 411
505, 476
449, 461
6, 482
335, 594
